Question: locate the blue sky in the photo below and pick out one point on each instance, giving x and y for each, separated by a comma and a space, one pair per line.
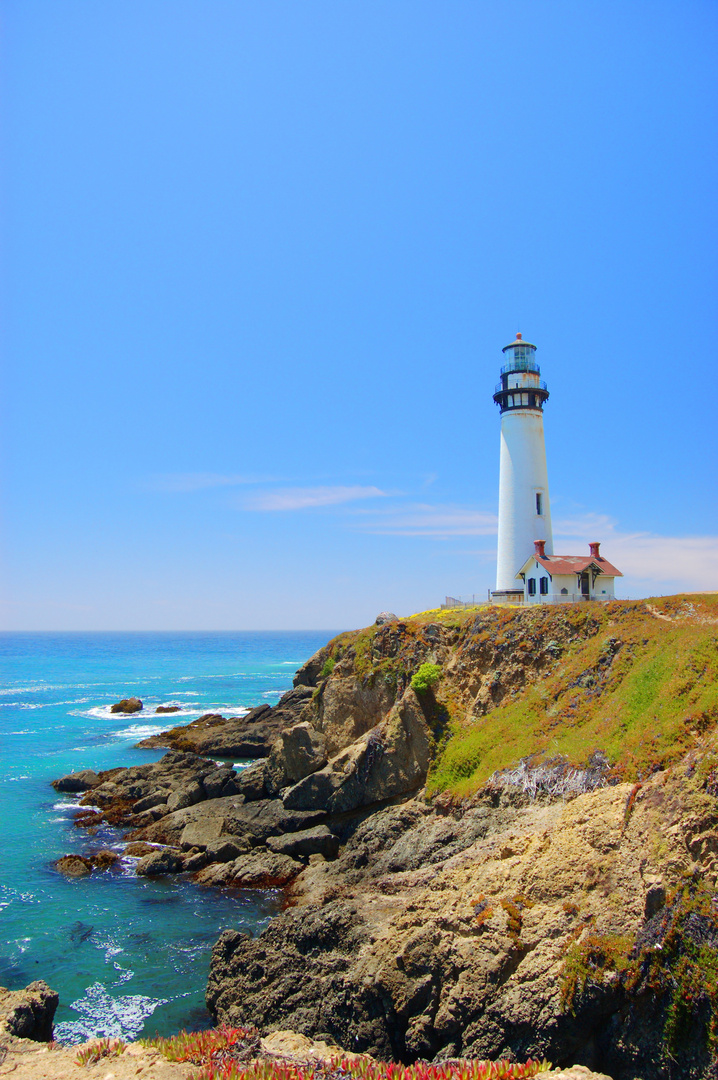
260, 260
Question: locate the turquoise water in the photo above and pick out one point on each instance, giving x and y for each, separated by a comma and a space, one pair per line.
127, 955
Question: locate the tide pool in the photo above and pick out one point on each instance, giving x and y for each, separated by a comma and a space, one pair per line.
127, 955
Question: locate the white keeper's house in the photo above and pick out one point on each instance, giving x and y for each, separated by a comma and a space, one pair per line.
527, 569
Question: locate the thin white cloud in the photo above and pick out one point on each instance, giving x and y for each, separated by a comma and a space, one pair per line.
689, 561
421, 519
198, 481
303, 498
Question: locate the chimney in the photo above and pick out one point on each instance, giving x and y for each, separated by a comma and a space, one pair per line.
539, 546
593, 548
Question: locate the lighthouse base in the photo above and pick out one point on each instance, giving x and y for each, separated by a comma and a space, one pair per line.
507, 596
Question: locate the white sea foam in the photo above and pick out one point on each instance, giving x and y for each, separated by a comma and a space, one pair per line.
104, 1016
140, 731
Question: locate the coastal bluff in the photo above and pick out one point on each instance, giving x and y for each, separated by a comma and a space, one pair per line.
496, 830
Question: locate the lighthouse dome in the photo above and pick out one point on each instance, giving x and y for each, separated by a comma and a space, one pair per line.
519, 343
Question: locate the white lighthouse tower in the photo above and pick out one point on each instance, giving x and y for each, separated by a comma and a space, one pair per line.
524, 507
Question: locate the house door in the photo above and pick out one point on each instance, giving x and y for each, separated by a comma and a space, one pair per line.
585, 586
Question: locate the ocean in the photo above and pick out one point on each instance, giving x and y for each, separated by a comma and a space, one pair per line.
129, 956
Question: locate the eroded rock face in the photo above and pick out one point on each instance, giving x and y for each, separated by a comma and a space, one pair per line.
29, 1013
390, 760
441, 933
297, 752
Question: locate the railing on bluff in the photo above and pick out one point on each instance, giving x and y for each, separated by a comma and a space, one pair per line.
550, 598
459, 602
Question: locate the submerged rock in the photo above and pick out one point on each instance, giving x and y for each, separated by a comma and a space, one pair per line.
74, 866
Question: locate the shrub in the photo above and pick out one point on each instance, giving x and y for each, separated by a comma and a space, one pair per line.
329, 665
427, 676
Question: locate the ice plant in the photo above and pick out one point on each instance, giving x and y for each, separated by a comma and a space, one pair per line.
204, 1047
88, 1055
361, 1068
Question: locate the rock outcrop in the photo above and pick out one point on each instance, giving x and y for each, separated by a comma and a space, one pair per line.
443, 932
77, 782
28, 1013
251, 735
127, 705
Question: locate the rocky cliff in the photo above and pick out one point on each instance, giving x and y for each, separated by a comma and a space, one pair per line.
549, 892
496, 830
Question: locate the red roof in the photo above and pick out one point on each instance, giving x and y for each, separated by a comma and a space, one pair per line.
575, 564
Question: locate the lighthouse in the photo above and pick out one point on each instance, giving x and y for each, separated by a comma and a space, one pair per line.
524, 506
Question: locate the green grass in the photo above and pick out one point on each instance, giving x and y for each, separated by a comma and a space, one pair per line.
656, 699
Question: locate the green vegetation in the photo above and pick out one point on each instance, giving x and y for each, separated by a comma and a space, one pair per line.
427, 676
328, 667
360, 1068
638, 681
677, 965
103, 1048
206, 1047
225, 1054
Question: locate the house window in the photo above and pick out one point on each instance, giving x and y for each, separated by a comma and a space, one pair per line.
532, 586
564, 592
543, 586
539, 503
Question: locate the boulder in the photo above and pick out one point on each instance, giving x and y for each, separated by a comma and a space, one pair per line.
168, 708
385, 617
157, 798
226, 850
290, 1044
299, 751
260, 869
160, 862
127, 705
198, 834
74, 866
194, 861
137, 849
28, 1013
187, 795
103, 860
75, 782
316, 841
215, 782
250, 782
